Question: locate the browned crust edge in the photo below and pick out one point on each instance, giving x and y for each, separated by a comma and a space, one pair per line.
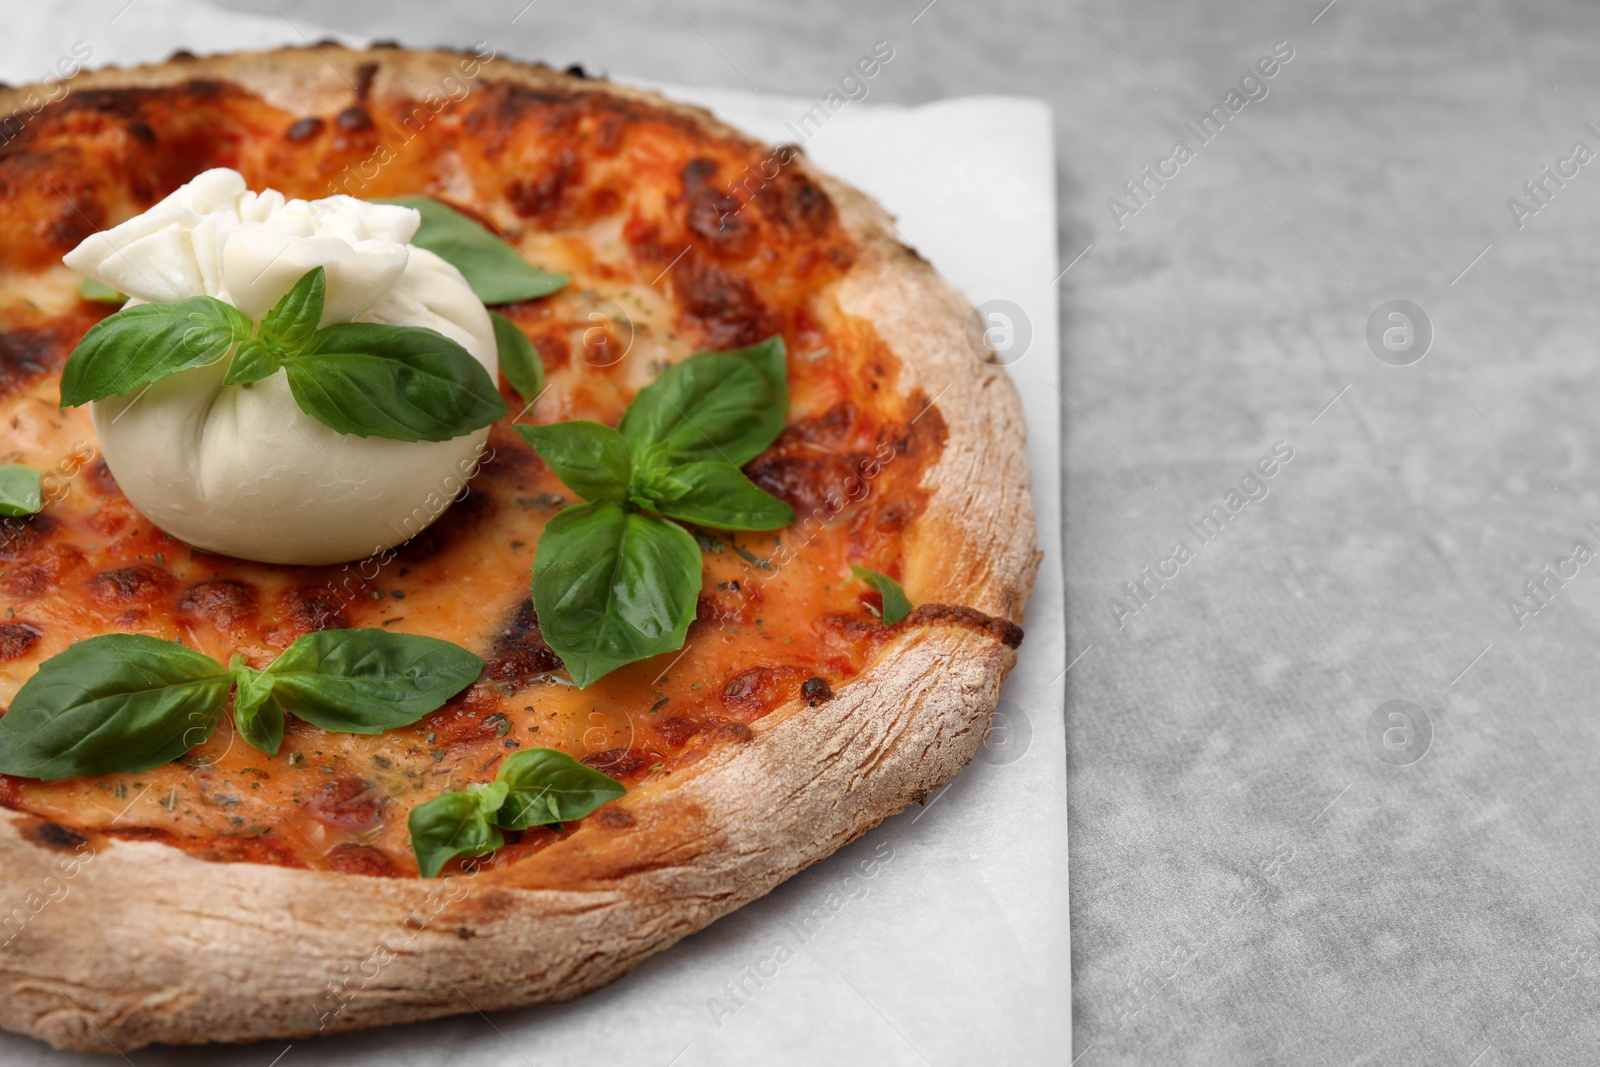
142, 943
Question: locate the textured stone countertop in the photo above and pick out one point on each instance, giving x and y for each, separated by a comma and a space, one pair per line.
1267, 866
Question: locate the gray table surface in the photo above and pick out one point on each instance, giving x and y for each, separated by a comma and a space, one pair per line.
1256, 877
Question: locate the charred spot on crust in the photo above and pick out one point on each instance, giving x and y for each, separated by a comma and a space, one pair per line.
353, 858
225, 602
140, 833
1005, 631
312, 607
140, 583
304, 129
57, 836
855, 630
504, 107
519, 651
17, 639
365, 74
816, 691
736, 732
615, 818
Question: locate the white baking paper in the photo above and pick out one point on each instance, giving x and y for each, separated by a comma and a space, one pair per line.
949, 944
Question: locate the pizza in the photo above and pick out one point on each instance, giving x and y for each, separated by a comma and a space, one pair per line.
827, 587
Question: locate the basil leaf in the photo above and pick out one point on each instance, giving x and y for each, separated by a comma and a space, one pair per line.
590, 459
294, 318
100, 293
611, 587
368, 681
450, 825
497, 272
148, 342
257, 715
19, 490
895, 604
408, 384
252, 361
771, 359
490, 795
715, 405
119, 702
548, 786
519, 360
717, 494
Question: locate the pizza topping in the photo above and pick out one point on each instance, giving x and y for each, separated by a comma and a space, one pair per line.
94, 291
128, 702
534, 787
498, 273
613, 580
451, 825
258, 456
19, 490
816, 691
519, 360
895, 606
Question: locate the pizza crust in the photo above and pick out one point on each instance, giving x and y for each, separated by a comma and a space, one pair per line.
143, 943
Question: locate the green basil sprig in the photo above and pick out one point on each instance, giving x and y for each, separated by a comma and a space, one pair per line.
451, 825
614, 581
896, 605
534, 787
519, 360
140, 345
20, 493
100, 293
404, 383
497, 272
129, 702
